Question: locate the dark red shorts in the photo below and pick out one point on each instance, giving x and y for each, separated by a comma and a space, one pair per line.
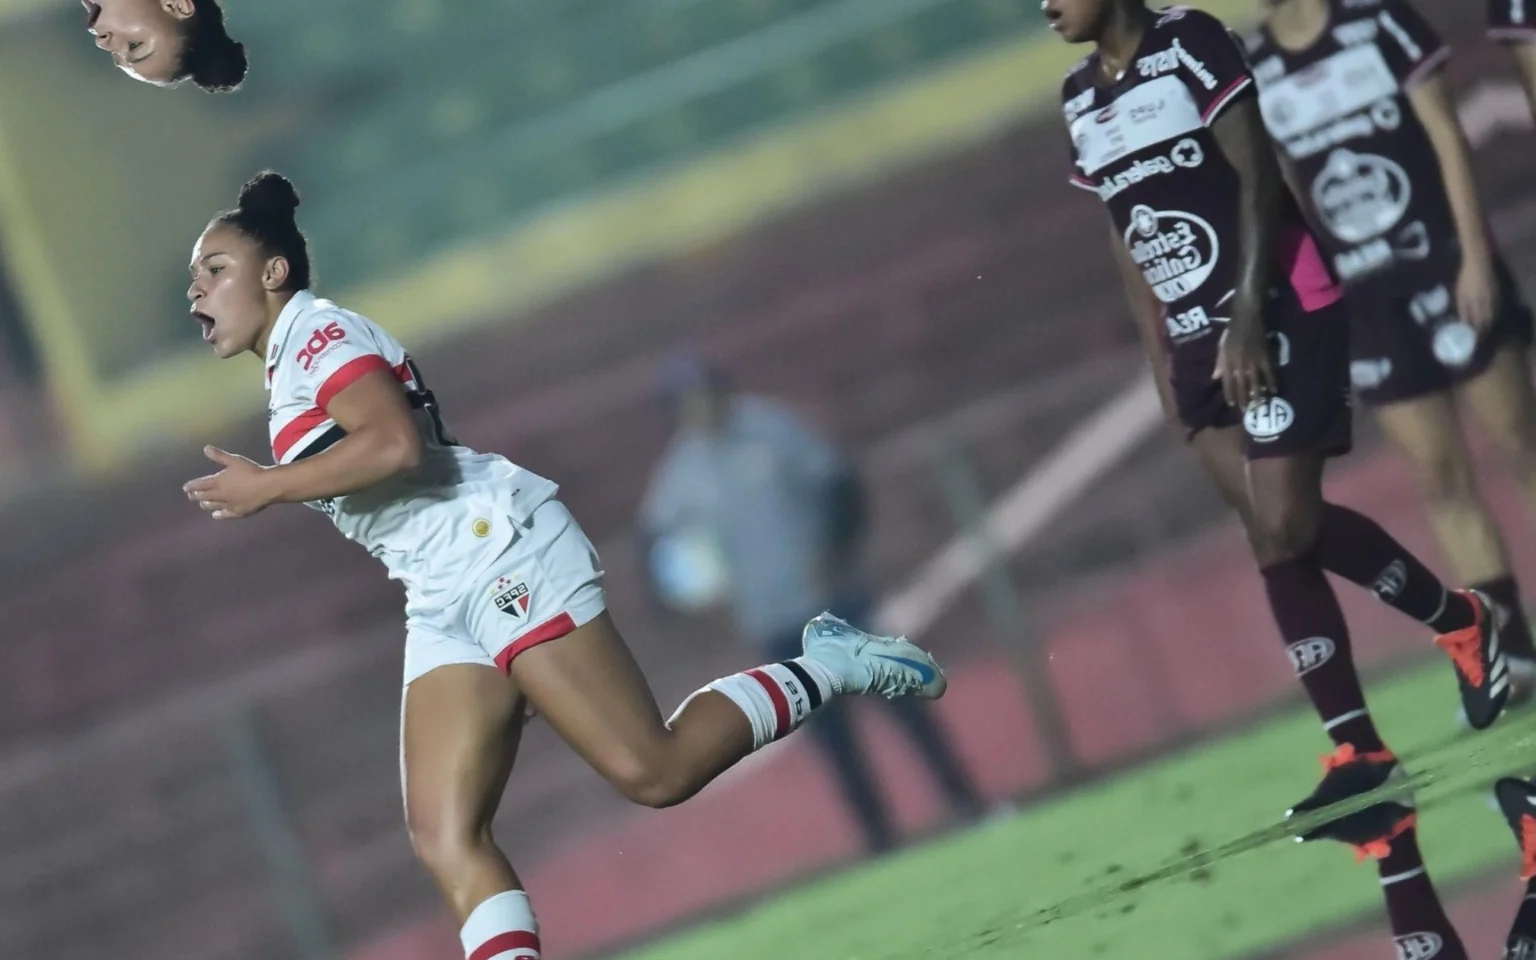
1513, 21
1407, 343
1310, 413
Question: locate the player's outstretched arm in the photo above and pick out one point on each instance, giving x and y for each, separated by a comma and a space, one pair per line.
1477, 287
1245, 367
381, 442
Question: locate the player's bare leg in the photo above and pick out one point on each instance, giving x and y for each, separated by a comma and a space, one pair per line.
1504, 401
1301, 599
1428, 430
1505, 404
1293, 521
1280, 516
1288, 500
459, 738
588, 687
1525, 56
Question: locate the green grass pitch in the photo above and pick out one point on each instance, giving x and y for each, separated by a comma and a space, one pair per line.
1184, 858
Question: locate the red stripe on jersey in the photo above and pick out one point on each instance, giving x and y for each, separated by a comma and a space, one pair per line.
543, 633
349, 373
295, 430
780, 702
504, 943
1220, 103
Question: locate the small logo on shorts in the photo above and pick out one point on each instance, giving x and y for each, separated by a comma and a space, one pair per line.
1455, 343
1268, 418
511, 598
1520, 948
1370, 374
481, 528
1309, 654
1419, 946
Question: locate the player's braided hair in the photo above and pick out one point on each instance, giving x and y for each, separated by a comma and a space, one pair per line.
210, 57
264, 213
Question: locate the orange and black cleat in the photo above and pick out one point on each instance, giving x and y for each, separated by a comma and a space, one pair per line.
1517, 801
1481, 666
1347, 774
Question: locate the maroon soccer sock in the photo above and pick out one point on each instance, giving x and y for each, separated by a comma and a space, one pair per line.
1356, 548
1419, 923
1516, 635
1317, 639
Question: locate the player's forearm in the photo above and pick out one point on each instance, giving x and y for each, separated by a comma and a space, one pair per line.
1258, 213
1461, 189
1241, 134
356, 463
1433, 107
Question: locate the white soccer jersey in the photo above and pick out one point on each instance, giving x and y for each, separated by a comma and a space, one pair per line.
429, 525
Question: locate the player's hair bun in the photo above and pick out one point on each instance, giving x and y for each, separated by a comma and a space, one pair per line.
270, 196
221, 66
210, 57
264, 213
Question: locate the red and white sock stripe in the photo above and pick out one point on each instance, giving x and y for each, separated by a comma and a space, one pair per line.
502, 928
776, 698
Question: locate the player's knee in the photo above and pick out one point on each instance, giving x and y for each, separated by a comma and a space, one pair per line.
651, 781
1446, 478
444, 843
1283, 532
1516, 440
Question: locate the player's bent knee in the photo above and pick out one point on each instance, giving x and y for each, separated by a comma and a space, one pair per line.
1284, 534
446, 846
1447, 479
1517, 441
650, 778
652, 785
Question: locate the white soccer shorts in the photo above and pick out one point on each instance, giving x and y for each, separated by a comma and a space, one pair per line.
542, 586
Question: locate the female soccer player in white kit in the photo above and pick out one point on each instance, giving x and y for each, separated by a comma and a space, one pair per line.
504, 598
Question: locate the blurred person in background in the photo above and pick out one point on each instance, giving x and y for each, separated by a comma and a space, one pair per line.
1513, 22
1354, 95
163, 42
750, 506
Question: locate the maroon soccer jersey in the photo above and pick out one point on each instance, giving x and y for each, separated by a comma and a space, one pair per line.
1366, 169
1144, 144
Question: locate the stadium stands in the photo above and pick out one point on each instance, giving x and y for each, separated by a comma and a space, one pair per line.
453, 119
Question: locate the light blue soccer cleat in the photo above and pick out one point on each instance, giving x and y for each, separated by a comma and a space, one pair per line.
868, 663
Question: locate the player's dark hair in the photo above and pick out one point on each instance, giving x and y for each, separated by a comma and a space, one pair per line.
210, 57
264, 213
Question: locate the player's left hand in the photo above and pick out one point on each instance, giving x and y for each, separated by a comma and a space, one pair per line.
238, 490
1243, 362
1477, 293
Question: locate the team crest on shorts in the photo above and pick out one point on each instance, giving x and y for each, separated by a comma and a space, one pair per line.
1420, 946
511, 597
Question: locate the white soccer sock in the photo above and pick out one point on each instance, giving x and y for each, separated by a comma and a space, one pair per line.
775, 698
502, 927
